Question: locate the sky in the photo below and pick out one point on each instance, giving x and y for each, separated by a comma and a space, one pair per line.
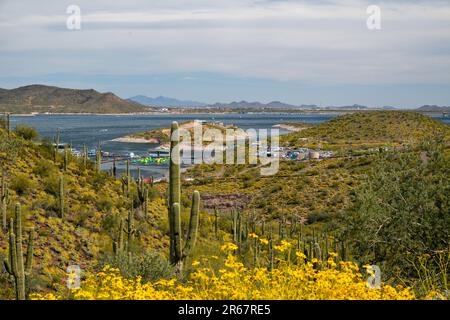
299, 52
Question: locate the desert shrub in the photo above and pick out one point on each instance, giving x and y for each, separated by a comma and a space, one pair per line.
98, 180
26, 132
150, 266
82, 216
314, 217
104, 203
51, 184
401, 214
44, 168
9, 148
45, 148
22, 184
109, 223
153, 193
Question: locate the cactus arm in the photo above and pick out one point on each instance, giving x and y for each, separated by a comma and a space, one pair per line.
146, 201
61, 197
216, 223
174, 169
18, 238
177, 233
130, 230
29, 261
11, 265
118, 244
66, 159
7, 266
193, 225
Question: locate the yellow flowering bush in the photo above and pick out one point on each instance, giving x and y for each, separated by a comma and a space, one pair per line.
303, 280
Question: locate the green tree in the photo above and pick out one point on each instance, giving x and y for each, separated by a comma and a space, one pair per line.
402, 214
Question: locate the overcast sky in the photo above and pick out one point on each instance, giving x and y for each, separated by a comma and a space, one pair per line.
300, 52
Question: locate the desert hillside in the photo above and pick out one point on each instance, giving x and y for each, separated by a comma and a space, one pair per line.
40, 98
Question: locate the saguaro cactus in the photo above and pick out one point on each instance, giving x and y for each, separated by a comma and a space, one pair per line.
85, 156
145, 202
118, 244
56, 141
66, 159
126, 180
98, 160
8, 123
130, 230
271, 254
15, 264
234, 225
178, 254
142, 191
114, 168
216, 223
5, 201
193, 225
61, 197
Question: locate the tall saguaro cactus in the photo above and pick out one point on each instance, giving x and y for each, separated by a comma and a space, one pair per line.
130, 230
178, 253
15, 264
85, 156
61, 197
119, 244
7, 122
56, 141
216, 224
114, 168
5, 201
98, 160
126, 180
142, 191
66, 159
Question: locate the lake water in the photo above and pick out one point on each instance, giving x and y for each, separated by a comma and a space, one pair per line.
94, 129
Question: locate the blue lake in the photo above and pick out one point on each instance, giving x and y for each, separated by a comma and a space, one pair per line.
94, 129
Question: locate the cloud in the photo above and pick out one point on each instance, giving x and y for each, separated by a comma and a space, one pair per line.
322, 42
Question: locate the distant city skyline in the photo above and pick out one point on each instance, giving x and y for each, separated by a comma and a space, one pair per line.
296, 52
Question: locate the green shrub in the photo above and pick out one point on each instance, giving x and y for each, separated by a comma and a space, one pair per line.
26, 132
44, 168
51, 185
314, 217
109, 223
22, 184
401, 215
150, 266
105, 203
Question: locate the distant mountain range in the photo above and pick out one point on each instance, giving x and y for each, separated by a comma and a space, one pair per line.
165, 102
433, 108
258, 105
40, 98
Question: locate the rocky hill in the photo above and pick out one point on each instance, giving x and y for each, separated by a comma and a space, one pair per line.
41, 98
373, 127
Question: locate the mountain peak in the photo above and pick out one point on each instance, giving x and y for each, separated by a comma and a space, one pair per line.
42, 98
162, 101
